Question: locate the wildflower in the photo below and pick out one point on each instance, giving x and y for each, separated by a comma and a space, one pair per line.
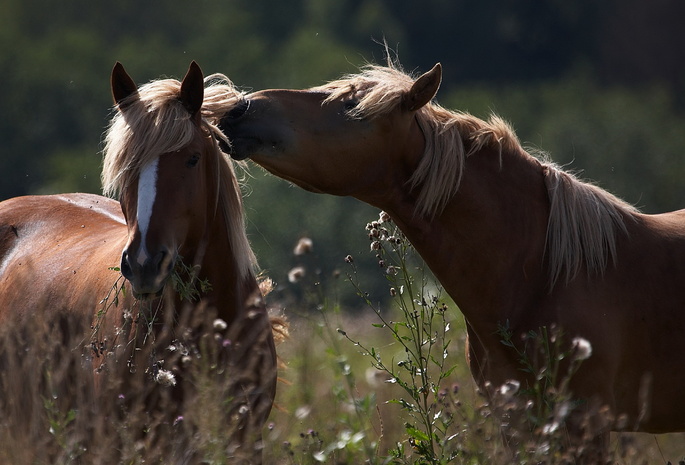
220, 325
509, 388
304, 246
391, 270
582, 348
393, 292
375, 245
383, 217
165, 378
349, 259
296, 274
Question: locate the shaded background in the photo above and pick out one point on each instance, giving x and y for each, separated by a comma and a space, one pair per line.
599, 85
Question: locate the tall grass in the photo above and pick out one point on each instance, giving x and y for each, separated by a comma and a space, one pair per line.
383, 383
389, 383
172, 400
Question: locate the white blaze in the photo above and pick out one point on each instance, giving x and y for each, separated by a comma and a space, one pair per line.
147, 190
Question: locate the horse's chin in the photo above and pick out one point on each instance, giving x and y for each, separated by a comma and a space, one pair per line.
147, 295
241, 149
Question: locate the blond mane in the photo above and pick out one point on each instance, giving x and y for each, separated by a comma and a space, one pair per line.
584, 220
156, 122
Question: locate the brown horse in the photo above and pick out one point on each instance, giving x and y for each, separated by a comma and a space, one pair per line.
511, 237
179, 218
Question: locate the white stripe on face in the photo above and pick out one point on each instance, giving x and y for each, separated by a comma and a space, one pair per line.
147, 190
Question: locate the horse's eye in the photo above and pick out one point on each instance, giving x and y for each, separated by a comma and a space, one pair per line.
192, 161
350, 104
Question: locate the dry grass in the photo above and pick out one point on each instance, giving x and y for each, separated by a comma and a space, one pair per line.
54, 409
316, 404
333, 404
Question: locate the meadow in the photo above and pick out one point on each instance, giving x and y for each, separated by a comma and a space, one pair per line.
385, 382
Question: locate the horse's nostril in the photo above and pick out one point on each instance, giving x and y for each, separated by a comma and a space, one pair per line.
125, 266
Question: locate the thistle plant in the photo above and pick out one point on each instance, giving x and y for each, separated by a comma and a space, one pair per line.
422, 334
540, 410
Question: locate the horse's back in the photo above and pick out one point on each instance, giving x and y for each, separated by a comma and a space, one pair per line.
55, 249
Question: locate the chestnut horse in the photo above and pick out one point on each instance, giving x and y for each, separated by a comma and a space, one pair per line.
179, 209
511, 237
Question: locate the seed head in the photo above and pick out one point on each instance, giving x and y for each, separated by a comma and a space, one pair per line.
165, 378
220, 325
304, 246
582, 348
296, 274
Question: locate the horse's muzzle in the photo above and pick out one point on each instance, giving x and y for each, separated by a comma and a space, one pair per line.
147, 279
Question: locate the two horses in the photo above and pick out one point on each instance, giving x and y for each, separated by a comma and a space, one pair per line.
513, 239
177, 235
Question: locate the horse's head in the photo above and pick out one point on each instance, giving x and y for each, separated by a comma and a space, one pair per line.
164, 199
342, 138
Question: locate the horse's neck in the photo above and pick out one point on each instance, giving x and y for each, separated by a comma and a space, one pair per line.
489, 241
231, 291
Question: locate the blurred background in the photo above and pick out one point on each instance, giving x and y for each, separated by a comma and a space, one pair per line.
598, 85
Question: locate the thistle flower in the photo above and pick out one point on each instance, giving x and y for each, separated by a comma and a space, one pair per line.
165, 378
220, 325
509, 389
582, 348
296, 274
304, 246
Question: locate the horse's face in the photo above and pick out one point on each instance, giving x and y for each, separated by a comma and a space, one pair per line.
166, 211
314, 142
166, 205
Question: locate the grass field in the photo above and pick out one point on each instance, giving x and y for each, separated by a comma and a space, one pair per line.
385, 383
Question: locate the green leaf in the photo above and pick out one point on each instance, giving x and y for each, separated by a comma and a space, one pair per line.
416, 433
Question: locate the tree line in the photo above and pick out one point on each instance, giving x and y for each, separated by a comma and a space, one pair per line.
601, 85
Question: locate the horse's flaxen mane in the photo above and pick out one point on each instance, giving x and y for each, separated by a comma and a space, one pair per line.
583, 221
156, 122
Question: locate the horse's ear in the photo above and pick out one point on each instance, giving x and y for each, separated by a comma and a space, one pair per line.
123, 86
193, 89
424, 89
